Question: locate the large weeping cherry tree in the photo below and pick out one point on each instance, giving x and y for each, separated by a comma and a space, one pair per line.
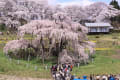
60, 36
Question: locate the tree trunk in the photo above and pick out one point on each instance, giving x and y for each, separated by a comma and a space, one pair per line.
43, 57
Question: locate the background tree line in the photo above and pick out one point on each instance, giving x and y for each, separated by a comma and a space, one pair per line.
115, 20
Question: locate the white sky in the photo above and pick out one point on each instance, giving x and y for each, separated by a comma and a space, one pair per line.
78, 2
75, 2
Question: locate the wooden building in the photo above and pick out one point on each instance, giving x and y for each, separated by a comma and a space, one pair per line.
98, 27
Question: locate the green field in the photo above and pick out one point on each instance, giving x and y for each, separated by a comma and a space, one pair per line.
106, 61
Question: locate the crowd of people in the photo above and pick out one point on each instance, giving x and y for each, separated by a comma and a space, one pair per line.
99, 77
105, 77
62, 72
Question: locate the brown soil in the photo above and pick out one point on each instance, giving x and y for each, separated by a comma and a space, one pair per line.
6, 77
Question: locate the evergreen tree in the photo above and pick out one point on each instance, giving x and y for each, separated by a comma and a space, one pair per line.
115, 20
115, 4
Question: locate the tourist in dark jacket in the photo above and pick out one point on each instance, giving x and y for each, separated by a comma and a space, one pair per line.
112, 77
91, 77
72, 77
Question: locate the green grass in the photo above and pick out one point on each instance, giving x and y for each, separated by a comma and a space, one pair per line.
21, 69
101, 65
105, 62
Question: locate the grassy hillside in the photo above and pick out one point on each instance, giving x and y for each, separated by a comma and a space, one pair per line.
22, 68
106, 61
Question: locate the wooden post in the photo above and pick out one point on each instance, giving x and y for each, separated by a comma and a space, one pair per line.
92, 60
29, 57
18, 61
78, 64
10, 59
27, 65
46, 67
36, 68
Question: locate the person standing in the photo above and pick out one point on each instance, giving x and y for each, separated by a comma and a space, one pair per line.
85, 78
104, 77
91, 77
71, 67
72, 77
112, 77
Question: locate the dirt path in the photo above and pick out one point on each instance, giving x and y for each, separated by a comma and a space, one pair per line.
6, 77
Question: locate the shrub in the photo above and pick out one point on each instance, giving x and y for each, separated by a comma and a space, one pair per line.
97, 36
2, 27
22, 53
114, 37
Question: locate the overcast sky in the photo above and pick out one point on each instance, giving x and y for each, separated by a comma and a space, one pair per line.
78, 2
